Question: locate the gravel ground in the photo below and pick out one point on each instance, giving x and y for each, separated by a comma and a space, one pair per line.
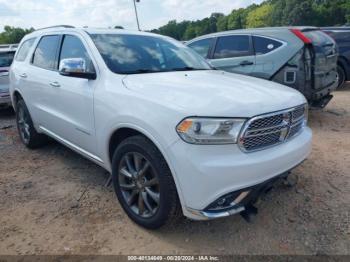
52, 201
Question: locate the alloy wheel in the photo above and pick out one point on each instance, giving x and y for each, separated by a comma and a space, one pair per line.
23, 124
139, 184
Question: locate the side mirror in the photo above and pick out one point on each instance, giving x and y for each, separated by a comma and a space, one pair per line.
75, 67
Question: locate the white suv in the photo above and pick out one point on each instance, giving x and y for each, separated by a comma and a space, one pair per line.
175, 134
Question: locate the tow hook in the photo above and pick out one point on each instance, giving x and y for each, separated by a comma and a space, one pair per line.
249, 213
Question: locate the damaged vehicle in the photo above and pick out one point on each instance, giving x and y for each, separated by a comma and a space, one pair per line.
304, 58
341, 36
7, 53
177, 136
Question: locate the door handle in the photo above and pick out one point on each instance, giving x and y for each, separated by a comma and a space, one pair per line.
245, 63
24, 75
55, 84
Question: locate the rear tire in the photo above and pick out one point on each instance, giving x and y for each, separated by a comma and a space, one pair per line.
26, 130
144, 184
341, 76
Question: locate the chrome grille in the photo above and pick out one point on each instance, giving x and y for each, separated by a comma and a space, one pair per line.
271, 129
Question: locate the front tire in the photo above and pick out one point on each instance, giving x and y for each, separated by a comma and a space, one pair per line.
144, 184
26, 130
341, 76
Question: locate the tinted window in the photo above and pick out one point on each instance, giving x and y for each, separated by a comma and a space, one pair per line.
232, 46
6, 58
130, 54
264, 45
202, 46
72, 47
45, 52
24, 49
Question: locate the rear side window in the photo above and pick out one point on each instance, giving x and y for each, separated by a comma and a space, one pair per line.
263, 45
72, 47
24, 50
46, 51
232, 46
6, 58
202, 46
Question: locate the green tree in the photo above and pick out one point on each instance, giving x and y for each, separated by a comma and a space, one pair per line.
260, 17
221, 24
190, 32
268, 13
12, 35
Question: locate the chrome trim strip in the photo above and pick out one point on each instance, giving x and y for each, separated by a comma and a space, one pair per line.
71, 145
205, 215
253, 119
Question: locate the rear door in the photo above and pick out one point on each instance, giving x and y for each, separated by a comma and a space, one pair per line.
267, 58
325, 58
233, 53
39, 77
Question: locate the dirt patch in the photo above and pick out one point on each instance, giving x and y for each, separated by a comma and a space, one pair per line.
52, 201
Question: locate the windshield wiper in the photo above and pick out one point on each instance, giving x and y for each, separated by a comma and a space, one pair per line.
187, 68
141, 71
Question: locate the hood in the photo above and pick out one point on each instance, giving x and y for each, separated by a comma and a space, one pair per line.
214, 93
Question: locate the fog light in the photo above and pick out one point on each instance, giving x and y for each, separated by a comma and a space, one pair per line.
227, 201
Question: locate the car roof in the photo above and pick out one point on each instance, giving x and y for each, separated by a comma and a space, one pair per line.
260, 30
63, 29
8, 47
336, 28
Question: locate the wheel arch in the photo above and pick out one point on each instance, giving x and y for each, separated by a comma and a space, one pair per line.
16, 96
122, 132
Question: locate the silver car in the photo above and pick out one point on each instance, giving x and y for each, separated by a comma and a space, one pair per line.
304, 58
7, 53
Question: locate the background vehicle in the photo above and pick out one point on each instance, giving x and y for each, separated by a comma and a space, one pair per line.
173, 132
7, 53
341, 35
304, 58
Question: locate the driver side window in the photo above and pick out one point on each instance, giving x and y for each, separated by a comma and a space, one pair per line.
72, 47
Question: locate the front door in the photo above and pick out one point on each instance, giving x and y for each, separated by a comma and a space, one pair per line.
233, 53
74, 99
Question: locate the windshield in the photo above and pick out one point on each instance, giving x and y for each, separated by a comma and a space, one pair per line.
134, 54
6, 58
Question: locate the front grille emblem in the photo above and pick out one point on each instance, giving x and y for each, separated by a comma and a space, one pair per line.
270, 129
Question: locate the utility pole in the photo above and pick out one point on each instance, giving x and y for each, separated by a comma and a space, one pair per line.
137, 18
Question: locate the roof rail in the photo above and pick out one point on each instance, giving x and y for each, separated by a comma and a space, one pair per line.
64, 26
9, 46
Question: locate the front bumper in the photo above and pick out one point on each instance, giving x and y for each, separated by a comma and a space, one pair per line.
321, 97
204, 173
246, 198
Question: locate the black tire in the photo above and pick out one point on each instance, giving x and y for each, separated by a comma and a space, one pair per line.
341, 76
26, 130
168, 210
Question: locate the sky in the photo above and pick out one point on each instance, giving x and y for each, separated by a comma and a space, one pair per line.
108, 13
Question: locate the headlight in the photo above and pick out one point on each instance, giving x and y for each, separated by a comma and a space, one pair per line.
210, 130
